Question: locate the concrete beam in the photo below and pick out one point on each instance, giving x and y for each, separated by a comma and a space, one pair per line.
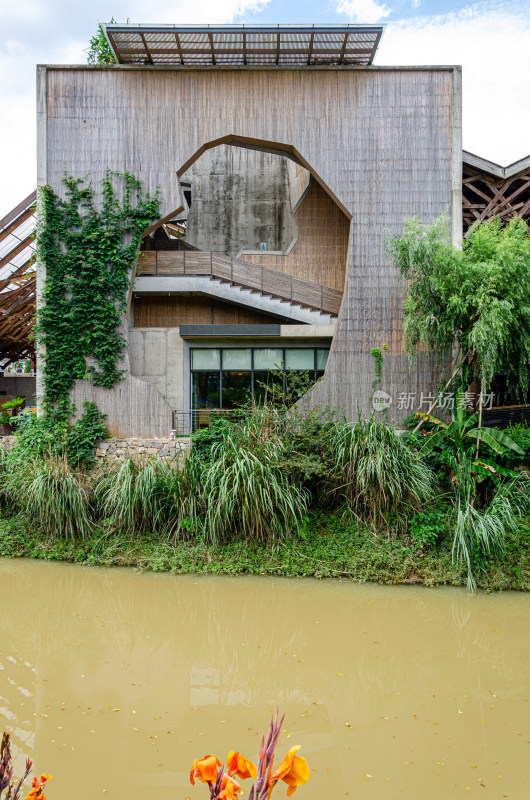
177, 284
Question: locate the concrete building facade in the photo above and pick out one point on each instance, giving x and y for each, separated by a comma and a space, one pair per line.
309, 167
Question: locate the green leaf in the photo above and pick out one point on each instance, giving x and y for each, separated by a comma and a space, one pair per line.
495, 438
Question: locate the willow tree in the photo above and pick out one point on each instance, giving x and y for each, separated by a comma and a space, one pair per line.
477, 297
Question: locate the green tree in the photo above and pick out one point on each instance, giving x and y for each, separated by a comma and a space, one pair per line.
478, 297
99, 51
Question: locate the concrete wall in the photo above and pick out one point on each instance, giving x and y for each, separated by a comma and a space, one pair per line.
18, 386
299, 182
240, 198
384, 142
156, 356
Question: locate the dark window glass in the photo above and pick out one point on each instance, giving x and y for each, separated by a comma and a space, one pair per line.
263, 380
236, 389
205, 390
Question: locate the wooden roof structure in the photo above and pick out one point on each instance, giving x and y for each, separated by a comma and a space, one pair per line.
490, 191
244, 45
17, 282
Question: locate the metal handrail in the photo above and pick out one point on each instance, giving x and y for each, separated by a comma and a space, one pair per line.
249, 275
188, 421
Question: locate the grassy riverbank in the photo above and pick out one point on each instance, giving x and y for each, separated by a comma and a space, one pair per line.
325, 548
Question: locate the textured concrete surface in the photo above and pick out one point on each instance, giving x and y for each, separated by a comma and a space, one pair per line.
241, 198
156, 355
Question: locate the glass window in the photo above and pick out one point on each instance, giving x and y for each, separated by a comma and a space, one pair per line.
205, 358
300, 359
267, 385
237, 389
237, 359
205, 390
322, 358
268, 358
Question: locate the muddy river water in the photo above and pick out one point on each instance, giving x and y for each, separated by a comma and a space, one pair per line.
115, 681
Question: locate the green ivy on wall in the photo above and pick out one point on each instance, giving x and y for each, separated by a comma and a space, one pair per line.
88, 253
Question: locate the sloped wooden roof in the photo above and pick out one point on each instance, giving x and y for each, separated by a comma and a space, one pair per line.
490, 191
17, 282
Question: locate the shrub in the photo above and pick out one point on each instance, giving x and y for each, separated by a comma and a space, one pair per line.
205, 439
51, 435
520, 434
426, 527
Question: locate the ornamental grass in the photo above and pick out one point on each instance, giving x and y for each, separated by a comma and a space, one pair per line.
381, 480
248, 493
55, 496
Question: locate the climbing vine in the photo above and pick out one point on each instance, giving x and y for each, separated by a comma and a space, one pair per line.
88, 253
378, 356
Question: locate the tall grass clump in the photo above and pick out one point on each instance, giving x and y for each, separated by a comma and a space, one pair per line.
128, 492
381, 481
480, 531
52, 493
151, 495
247, 491
181, 499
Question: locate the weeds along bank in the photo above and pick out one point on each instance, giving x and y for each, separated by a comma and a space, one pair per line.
279, 492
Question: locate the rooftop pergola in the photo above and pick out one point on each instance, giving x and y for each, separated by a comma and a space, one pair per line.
244, 45
17, 282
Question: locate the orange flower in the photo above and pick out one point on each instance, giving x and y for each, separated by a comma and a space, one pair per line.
236, 764
205, 769
36, 792
293, 771
229, 788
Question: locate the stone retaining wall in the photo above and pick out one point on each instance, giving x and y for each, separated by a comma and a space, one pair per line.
164, 448
118, 448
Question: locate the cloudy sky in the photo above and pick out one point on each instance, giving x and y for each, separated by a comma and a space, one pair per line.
490, 39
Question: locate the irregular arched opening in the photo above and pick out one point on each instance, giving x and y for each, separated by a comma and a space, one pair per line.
258, 249
283, 219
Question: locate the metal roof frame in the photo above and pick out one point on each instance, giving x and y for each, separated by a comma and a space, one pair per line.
270, 46
17, 282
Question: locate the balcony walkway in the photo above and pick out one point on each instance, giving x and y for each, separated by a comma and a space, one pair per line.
243, 274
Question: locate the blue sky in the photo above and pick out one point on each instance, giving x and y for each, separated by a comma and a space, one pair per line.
491, 40
363, 11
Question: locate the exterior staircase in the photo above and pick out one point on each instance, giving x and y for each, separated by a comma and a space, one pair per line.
238, 281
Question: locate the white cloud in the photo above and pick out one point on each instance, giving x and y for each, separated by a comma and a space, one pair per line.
493, 48
489, 39
204, 11
363, 11
58, 32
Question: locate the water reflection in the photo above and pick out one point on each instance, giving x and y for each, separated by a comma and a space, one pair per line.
139, 674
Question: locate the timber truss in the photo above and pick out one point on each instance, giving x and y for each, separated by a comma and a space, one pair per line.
490, 191
17, 282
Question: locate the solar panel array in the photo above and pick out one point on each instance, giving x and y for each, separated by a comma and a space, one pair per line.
200, 46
